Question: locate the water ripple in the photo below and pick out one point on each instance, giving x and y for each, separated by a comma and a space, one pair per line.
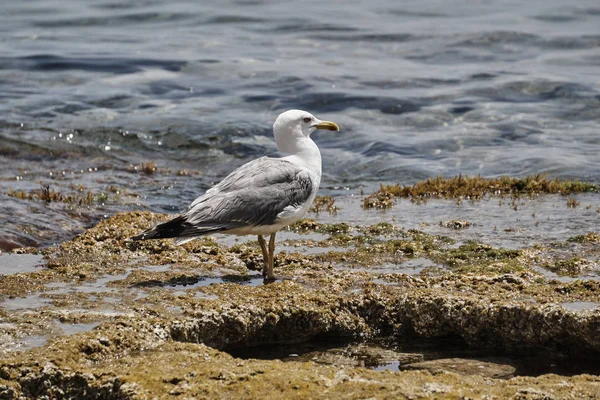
114, 20
335, 102
48, 62
92, 91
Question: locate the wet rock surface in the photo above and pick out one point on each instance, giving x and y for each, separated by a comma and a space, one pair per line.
488, 368
103, 317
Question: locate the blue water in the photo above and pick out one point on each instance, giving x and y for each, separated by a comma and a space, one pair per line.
89, 90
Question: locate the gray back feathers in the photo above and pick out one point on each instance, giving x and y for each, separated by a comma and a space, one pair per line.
254, 194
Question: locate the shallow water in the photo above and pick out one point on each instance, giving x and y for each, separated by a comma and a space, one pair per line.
101, 285
579, 306
401, 353
204, 281
62, 289
70, 329
409, 267
92, 89
494, 221
29, 342
32, 301
20, 263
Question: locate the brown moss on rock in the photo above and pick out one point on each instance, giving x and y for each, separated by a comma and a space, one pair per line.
380, 229
474, 188
590, 237
326, 203
49, 195
156, 344
150, 356
309, 225
493, 368
571, 267
475, 257
190, 370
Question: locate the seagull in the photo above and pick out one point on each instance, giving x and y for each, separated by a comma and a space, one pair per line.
262, 196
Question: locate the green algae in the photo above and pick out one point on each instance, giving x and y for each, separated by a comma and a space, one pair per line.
570, 267
78, 195
385, 243
148, 168
590, 237
49, 195
380, 243
309, 225
326, 203
473, 256
380, 229
476, 188
572, 202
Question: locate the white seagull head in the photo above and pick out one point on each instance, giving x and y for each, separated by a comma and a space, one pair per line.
294, 126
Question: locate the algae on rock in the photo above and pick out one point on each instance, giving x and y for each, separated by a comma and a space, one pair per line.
170, 328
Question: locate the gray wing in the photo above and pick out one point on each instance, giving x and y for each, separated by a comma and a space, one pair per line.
254, 194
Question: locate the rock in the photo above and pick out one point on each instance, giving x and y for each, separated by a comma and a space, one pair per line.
127, 292
408, 358
491, 369
455, 223
358, 355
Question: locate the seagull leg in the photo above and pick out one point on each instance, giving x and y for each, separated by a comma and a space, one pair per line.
270, 275
263, 247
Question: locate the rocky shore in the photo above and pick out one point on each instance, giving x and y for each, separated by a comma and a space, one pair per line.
104, 317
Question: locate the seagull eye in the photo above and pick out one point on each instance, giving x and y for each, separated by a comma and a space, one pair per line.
307, 119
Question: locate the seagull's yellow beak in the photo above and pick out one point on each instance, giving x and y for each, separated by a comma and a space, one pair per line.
328, 125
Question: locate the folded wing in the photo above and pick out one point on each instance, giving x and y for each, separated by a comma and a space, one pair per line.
252, 195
